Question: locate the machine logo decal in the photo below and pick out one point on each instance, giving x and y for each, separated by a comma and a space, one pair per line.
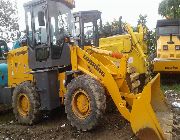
94, 65
171, 68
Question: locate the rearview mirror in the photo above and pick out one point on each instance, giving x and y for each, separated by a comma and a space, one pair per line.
41, 18
3, 50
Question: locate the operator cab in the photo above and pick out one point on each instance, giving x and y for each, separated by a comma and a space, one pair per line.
168, 39
167, 27
48, 24
87, 25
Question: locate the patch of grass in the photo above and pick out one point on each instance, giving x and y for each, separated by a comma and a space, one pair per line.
175, 87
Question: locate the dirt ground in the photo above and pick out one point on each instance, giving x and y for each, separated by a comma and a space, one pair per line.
56, 126
174, 98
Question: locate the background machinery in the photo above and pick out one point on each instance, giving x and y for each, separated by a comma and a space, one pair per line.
168, 46
53, 70
87, 27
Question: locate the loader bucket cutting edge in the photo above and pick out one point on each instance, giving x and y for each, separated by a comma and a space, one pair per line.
150, 116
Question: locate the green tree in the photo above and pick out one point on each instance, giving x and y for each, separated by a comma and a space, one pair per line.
150, 35
169, 9
8, 20
113, 28
142, 20
110, 28
106, 30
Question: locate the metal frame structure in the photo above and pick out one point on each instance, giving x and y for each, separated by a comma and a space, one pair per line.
83, 17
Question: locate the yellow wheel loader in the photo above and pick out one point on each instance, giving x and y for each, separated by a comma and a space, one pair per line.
52, 70
168, 46
137, 75
130, 42
133, 44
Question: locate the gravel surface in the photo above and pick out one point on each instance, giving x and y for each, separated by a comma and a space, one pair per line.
56, 126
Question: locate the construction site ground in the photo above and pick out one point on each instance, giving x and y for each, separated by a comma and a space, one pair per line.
56, 126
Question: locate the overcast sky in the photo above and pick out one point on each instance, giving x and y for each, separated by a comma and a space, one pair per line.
112, 9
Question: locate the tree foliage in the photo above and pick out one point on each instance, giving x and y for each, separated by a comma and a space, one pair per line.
150, 35
111, 28
169, 9
106, 30
8, 20
142, 20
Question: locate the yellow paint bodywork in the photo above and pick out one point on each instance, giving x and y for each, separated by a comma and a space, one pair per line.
23, 104
143, 113
165, 65
150, 110
62, 90
131, 44
167, 60
171, 53
18, 69
81, 104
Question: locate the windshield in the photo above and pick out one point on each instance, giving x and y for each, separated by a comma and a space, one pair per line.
88, 30
48, 23
61, 21
167, 30
36, 34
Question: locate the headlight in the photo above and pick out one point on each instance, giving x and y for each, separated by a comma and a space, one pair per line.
165, 47
177, 47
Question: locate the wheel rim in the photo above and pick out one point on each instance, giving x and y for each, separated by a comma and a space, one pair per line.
81, 104
23, 104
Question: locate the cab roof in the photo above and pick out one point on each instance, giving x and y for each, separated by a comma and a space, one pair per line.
87, 16
168, 22
68, 3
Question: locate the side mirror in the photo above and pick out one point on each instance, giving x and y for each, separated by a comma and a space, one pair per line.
3, 50
41, 18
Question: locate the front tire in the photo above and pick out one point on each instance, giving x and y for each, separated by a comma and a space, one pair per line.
85, 102
26, 104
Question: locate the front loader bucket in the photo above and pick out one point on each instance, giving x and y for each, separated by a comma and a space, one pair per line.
151, 118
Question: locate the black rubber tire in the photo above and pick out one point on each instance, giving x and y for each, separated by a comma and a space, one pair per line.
97, 97
34, 114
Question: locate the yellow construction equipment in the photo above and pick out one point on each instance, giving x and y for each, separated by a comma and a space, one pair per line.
53, 70
136, 72
134, 45
144, 110
168, 46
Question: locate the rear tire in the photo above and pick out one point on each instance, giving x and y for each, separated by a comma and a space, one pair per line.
85, 102
26, 104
